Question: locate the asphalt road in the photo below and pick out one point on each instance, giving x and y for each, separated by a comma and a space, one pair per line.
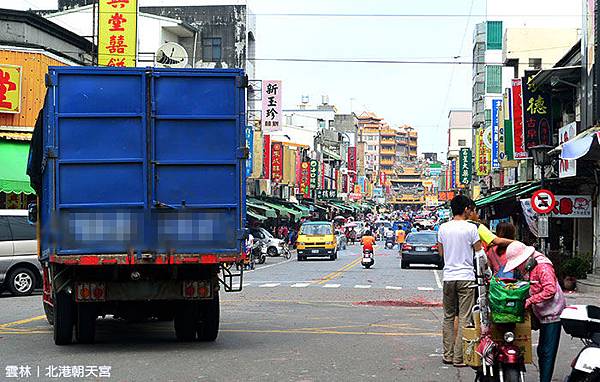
294, 321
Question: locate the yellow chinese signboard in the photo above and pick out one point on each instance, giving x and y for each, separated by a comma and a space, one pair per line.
117, 33
482, 153
10, 88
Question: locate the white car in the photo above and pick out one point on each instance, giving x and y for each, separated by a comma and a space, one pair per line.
274, 246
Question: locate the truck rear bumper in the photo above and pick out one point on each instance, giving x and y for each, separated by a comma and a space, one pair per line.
145, 258
143, 290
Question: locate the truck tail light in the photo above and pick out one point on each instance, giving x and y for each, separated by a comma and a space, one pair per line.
90, 292
196, 289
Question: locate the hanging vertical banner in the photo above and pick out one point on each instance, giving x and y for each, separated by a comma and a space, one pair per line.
250, 146
508, 126
482, 163
277, 162
305, 179
117, 33
267, 157
496, 109
517, 116
352, 158
271, 105
298, 167
537, 111
465, 165
567, 168
314, 174
454, 185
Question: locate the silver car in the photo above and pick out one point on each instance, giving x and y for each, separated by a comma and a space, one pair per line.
20, 270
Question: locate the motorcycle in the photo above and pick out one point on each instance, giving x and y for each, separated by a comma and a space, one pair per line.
367, 260
583, 322
259, 252
390, 242
286, 251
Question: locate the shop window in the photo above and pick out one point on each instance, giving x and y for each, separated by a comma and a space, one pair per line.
211, 49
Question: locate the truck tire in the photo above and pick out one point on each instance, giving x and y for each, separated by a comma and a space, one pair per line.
207, 326
85, 325
63, 318
21, 282
185, 321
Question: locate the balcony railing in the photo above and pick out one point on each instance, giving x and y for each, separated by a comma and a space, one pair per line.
387, 152
387, 141
386, 162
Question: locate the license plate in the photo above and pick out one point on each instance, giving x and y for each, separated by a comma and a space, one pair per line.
315, 251
421, 249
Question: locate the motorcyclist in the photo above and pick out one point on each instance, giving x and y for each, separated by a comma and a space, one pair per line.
367, 241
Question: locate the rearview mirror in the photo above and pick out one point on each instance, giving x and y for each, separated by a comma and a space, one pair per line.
32, 213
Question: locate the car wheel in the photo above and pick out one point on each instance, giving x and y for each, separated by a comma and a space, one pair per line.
272, 252
21, 282
440, 266
403, 264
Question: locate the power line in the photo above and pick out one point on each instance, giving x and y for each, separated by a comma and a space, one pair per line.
384, 61
415, 15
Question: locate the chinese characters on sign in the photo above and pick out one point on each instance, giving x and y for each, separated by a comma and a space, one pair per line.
326, 194
56, 371
10, 89
573, 206
250, 146
271, 105
305, 179
277, 162
567, 168
453, 179
518, 131
267, 156
482, 153
496, 109
536, 113
314, 174
465, 166
117, 33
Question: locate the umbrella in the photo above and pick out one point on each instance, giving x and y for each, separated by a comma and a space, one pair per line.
349, 225
339, 217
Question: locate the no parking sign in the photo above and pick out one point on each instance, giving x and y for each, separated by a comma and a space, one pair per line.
543, 201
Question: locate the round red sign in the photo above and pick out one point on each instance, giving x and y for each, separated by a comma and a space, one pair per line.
543, 201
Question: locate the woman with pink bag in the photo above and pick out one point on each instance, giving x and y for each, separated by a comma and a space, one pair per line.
546, 300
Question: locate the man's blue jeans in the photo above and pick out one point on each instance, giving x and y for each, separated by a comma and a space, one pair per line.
547, 349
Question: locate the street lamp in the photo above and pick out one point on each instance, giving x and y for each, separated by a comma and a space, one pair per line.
541, 158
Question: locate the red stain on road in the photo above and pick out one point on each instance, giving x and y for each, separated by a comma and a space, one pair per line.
412, 303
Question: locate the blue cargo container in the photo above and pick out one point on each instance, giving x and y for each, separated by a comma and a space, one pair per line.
143, 194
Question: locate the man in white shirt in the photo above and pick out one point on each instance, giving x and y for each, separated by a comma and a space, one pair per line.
458, 240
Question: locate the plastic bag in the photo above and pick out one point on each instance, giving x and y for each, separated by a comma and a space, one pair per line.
507, 300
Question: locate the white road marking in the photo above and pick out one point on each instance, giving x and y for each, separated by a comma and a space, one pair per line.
438, 281
269, 285
393, 287
270, 265
245, 284
424, 288
331, 285
299, 285
362, 286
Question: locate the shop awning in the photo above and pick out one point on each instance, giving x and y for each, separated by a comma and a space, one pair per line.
343, 206
283, 210
510, 192
13, 167
317, 206
256, 216
305, 211
331, 154
556, 76
264, 210
585, 145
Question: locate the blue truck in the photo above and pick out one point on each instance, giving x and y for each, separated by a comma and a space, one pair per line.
141, 208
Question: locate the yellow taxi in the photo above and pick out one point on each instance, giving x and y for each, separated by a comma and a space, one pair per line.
316, 239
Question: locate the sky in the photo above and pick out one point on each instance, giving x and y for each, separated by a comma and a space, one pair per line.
419, 95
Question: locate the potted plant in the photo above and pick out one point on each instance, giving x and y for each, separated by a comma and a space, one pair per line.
574, 268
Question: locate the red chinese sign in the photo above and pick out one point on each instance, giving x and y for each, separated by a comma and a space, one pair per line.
305, 179
10, 89
277, 162
519, 132
117, 33
352, 158
267, 156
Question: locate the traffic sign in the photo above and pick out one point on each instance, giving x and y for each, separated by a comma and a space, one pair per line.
543, 201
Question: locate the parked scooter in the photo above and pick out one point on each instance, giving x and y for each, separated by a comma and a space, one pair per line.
390, 242
259, 252
367, 260
583, 322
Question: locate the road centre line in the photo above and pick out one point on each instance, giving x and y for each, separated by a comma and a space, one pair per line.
424, 288
393, 287
23, 321
299, 285
437, 278
339, 272
362, 286
269, 285
331, 285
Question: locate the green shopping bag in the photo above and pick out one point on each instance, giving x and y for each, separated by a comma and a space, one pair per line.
507, 300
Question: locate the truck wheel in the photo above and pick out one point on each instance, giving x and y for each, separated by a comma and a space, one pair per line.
63, 319
185, 321
208, 325
85, 328
21, 282
49, 310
